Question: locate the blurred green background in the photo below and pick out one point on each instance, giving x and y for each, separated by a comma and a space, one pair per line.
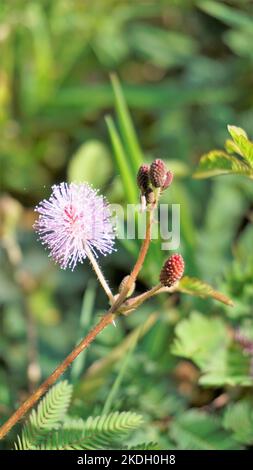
186, 71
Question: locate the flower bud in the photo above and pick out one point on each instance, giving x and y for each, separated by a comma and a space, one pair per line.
143, 179
123, 285
168, 180
157, 173
172, 270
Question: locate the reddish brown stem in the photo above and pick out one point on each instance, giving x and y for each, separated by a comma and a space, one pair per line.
32, 400
137, 267
105, 321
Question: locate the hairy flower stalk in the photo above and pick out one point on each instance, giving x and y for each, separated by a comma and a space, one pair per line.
74, 224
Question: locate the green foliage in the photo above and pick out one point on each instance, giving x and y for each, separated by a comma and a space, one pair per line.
208, 343
199, 431
199, 337
218, 162
48, 417
182, 71
92, 154
145, 446
194, 286
50, 428
239, 419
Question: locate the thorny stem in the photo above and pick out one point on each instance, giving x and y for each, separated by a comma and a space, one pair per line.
99, 274
106, 320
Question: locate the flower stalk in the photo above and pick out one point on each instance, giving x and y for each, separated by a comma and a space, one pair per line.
69, 242
99, 274
106, 320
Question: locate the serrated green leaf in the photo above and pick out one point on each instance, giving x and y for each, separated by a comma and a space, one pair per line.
194, 286
207, 342
198, 338
242, 145
217, 163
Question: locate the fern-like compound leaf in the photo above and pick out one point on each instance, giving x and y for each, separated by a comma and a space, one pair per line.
239, 419
198, 288
101, 432
48, 416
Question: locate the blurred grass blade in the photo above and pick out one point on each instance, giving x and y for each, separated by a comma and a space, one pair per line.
130, 187
39, 84
230, 16
116, 385
126, 126
85, 321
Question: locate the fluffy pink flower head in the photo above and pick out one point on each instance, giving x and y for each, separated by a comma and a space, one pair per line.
75, 218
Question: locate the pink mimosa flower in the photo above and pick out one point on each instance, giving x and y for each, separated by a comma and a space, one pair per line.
72, 221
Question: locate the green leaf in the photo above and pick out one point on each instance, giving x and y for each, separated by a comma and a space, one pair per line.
239, 419
208, 343
198, 338
91, 155
130, 187
217, 163
126, 126
194, 430
242, 145
231, 16
145, 446
48, 416
162, 47
228, 366
236, 132
101, 432
198, 288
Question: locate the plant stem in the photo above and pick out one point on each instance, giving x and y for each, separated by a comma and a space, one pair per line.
99, 274
138, 265
135, 302
32, 400
103, 323
139, 299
